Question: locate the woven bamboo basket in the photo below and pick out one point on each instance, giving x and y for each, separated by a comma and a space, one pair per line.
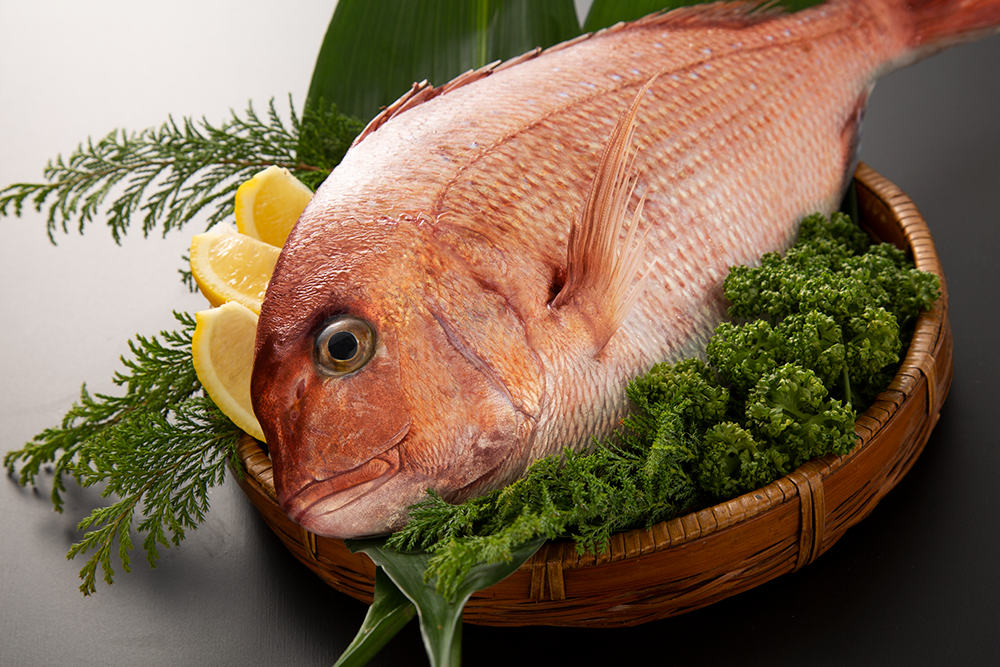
695, 560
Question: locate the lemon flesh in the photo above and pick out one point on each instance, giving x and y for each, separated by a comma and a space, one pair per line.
232, 267
222, 350
269, 204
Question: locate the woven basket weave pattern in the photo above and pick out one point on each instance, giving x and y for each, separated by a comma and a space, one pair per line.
695, 560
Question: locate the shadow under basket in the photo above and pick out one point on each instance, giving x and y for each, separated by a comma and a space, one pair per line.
695, 560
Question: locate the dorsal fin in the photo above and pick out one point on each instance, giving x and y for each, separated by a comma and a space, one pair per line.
422, 91
734, 13
599, 269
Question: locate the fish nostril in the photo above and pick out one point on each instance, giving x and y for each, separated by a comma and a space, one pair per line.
300, 390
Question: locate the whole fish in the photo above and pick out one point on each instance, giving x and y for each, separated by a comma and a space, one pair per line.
475, 283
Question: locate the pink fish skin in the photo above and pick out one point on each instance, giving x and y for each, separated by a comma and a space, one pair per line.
472, 287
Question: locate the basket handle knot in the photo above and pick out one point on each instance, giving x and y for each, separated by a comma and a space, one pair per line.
547, 573
808, 480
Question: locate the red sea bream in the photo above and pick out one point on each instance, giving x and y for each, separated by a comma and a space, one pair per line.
475, 283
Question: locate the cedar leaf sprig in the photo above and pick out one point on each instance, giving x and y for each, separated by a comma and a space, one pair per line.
169, 174
586, 496
158, 449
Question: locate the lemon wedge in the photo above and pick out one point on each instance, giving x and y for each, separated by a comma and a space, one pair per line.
269, 204
232, 267
222, 349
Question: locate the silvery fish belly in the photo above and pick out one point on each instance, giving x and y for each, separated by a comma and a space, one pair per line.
492, 261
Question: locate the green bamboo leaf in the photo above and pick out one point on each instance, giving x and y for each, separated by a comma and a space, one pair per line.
374, 51
389, 613
440, 617
604, 13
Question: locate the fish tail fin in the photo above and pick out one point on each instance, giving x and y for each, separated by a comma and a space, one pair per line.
601, 271
939, 24
947, 22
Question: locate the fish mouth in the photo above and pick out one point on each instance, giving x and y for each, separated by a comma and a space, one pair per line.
314, 505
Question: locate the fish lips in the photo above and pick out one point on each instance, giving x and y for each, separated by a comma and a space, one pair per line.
332, 440
329, 497
320, 505
374, 497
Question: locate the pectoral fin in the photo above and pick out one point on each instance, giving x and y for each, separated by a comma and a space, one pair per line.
601, 271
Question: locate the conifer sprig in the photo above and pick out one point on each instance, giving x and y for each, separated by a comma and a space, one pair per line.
169, 174
158, 449
166, 475
586, 496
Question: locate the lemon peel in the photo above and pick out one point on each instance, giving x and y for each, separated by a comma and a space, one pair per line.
222, 350
269, 204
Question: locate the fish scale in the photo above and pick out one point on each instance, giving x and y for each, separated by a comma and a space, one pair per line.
448, 225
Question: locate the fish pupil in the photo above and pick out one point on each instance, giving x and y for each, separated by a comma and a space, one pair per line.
343, 346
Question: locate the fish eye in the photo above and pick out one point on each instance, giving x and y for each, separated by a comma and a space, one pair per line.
344, 345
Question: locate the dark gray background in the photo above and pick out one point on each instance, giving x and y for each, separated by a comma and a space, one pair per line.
916, 583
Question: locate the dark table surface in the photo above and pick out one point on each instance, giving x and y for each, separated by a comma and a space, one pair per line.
915, 583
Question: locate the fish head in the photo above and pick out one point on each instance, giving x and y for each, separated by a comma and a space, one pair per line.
375, 380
